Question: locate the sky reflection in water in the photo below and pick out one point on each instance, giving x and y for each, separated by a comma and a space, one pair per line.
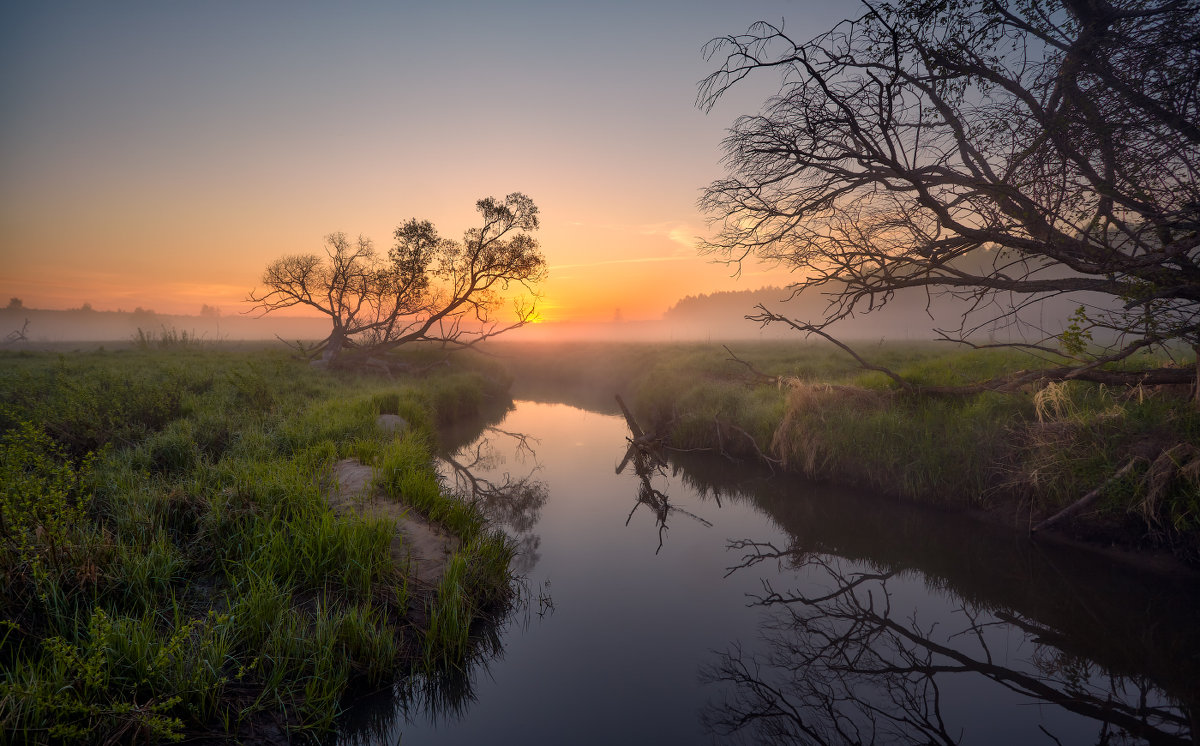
979, 638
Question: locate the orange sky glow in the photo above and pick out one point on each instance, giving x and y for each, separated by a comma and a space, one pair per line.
161, 154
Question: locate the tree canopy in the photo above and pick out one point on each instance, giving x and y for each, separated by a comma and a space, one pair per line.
1000, 151
427, 289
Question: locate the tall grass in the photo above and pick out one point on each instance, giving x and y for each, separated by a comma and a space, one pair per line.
168, 563
416, 483
169, 338
1028, 453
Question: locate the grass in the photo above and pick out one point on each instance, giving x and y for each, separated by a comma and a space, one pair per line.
169, 566
476, 577
405, 477
1026, 454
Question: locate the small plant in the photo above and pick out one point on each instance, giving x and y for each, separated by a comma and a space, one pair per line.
42, 509
1075, 339
450, 616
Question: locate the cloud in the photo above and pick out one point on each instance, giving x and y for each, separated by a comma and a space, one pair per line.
635, 260
677, 232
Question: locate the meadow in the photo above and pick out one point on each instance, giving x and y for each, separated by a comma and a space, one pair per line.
170, 566
805, 407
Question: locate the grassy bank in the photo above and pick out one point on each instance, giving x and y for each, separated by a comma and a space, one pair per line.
169, 564
1024, 455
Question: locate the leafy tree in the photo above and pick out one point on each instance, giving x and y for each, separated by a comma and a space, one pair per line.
427, 289
1004, 152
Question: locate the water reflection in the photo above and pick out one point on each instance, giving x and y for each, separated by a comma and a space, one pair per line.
473, 457
648, 463
871, 621
848, 662
475, 474
439, 699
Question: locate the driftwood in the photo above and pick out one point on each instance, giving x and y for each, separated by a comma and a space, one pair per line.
757, 374
652, 445
629, 419
770, 462
1087, 499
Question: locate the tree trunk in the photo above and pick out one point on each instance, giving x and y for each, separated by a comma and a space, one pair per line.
333, 347
1196, 392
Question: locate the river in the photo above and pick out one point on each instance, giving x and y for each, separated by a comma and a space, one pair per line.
705, 603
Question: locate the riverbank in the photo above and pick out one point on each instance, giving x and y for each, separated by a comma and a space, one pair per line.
665, 572
1015, 457
181, 553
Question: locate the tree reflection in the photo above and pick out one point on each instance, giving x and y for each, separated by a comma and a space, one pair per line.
848, 664
515, 502
648, 463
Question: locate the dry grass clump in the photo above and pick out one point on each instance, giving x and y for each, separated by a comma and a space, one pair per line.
1055, 402
805, 438
1083, 435
1176, 470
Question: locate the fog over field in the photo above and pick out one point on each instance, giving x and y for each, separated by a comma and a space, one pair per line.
717, 316
88, 325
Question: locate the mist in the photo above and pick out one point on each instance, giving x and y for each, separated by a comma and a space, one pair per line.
718, 316
40, 326
909, 316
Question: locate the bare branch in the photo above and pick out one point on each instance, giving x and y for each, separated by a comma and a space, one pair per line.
757, 374
1001, 155
428, 289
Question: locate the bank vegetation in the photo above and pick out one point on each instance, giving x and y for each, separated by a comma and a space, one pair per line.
170, 565
1021, 456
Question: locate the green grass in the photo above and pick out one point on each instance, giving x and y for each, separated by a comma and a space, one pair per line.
168, 564
830, 420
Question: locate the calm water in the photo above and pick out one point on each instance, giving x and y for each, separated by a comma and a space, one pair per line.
775, 611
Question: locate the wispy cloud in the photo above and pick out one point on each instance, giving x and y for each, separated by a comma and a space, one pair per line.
681, 233
635, 260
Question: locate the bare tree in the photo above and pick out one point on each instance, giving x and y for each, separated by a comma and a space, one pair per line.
428, 289
999, 152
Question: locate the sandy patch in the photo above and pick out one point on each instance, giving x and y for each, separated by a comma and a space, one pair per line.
422, 546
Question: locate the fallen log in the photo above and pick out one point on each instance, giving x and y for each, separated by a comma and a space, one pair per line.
647, 445
1087, 499
634, 428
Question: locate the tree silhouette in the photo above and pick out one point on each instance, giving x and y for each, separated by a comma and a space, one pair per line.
428, 289
1001, 153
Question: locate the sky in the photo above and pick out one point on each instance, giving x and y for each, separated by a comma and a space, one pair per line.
161, 154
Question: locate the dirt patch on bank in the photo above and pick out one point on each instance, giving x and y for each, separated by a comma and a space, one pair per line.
418, 544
